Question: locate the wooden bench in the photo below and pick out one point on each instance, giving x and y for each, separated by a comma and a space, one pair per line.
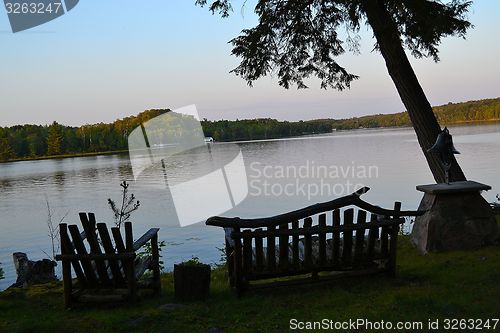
347, 235
105, 270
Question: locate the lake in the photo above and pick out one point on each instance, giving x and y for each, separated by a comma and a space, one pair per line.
283, 174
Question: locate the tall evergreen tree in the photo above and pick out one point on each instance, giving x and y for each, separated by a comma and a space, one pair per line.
6, 151
54, 139
296, 39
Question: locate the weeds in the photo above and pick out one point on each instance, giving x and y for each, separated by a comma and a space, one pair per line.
222, 257
53, 231
147, 251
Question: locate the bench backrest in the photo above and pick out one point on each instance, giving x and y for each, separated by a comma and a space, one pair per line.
340, 234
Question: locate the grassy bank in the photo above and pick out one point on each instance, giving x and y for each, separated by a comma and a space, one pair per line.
436, 286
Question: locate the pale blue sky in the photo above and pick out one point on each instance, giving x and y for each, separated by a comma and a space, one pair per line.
109, 59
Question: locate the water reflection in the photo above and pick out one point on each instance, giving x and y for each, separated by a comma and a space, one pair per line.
58, 179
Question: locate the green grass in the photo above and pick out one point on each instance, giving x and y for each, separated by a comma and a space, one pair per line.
443, 285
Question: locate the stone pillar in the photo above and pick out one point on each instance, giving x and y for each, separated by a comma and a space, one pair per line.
457, 218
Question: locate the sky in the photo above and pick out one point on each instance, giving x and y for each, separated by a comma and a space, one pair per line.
109, 59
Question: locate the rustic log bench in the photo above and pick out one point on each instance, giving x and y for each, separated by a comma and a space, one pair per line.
345, 236
106, 271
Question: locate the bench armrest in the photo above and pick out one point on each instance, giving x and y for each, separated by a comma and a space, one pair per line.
145, 238
91, 256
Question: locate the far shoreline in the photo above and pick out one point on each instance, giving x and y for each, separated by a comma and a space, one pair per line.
64, 156
125, 151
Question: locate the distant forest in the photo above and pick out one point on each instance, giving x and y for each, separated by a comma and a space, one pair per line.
32, 141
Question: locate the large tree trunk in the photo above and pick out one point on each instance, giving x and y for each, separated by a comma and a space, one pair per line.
412, 95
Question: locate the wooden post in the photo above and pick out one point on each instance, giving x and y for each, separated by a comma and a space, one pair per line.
283, 248
247, 252
308, 244
322, 240
295, 246
238, 274
130, 263
391, 264
372, 238
66, 266
259, 252
156, 263
347, 250
360, 238
271, 250
336, 238
229, 255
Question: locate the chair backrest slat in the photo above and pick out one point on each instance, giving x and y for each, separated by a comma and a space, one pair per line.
120, 245
129, 239
117, 236
118, 278
80, 249
89, 225
67, 248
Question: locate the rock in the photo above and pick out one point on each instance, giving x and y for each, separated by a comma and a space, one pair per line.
215, 330
171, 306
32, 272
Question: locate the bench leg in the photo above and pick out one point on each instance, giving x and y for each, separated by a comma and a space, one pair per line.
67, 283
131, 283
391, 264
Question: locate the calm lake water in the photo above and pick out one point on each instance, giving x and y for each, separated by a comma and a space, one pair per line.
282, 175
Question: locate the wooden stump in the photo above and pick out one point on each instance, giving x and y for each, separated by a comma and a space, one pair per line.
191, 282
32, 272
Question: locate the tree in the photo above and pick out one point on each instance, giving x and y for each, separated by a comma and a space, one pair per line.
297, 39
128, 205
54, 139
6, 151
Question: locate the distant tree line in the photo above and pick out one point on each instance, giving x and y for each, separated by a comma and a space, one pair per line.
451, 113
256, 129
27, 141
